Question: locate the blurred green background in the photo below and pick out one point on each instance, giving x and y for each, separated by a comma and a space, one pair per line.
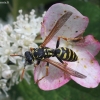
70, 91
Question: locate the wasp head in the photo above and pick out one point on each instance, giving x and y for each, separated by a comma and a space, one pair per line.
28, 57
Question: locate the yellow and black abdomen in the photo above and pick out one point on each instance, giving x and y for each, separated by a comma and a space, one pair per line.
66, 54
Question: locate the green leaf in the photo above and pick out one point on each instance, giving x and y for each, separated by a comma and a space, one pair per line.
70, 91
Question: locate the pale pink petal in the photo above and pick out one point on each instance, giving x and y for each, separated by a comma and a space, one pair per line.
86, 65
74, 26
90, 44
54, 80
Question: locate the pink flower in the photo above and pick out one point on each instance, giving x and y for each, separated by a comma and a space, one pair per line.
85, 49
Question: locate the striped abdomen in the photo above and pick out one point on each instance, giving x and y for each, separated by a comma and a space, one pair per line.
66, 54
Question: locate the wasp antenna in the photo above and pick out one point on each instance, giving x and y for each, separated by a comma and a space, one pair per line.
23, 71
17, 55
14, 55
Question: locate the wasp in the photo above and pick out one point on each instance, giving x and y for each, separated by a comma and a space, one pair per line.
43, 53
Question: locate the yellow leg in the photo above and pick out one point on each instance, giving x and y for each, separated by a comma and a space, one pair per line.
67, 39
38, 62
47, 67
22, 75
70, 39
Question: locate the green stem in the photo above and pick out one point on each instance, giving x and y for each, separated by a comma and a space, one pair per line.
15, 8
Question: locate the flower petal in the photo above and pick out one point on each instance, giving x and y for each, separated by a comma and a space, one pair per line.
54, 80
86, 65
90, 44
3, 59
12, 59
74, 26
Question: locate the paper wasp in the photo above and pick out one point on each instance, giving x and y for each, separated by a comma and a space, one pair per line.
43, 53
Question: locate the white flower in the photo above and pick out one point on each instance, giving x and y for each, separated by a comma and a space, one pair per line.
28, 25
3, 86
5, 71
6, 50
17, 39
5, 74
8, 28
3, 35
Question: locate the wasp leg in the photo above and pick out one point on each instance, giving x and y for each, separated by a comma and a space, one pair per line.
38, 62
23, 70
58, 42
60, 60
65, 64
71, 39
47, 67
66, 39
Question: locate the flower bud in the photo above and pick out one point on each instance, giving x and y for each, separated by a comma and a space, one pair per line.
7, 74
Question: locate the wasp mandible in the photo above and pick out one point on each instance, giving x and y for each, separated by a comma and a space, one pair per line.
43, 53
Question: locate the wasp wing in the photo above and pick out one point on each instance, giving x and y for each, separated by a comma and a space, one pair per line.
57, 27
67, 70
75, 73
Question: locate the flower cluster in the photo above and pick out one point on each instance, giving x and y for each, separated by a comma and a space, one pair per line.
17, 39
